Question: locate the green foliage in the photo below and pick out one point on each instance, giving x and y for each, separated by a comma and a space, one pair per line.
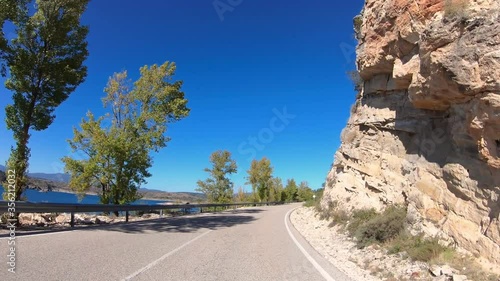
332, 213
259, 176
319, 192
310, 203
12, 11
387, 229
117, 155
417, 248
291, 190
219, 188
372, 228
304, 192
326, 214
45, 63
339, 217
276, 190
315, 201
241, 196
357, 22
360, 217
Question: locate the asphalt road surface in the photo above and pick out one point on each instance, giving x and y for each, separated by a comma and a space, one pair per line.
256, 243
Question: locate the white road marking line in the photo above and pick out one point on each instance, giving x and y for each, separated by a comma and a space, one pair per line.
311, 259
28, 235
155, 262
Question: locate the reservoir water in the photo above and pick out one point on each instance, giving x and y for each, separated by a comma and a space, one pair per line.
36, 196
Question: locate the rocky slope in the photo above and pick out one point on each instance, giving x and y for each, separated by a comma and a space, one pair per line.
425, 128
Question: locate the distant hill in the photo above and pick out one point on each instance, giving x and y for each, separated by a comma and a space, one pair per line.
192, 197
59, 182
58, 177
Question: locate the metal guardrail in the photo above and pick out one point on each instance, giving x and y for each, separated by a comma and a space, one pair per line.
27, 207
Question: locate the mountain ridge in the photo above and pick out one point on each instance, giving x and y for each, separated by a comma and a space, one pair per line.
59, 181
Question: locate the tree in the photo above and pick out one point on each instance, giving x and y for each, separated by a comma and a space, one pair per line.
218, 187
13, 11
117, 156
304, 192
259, 176
45, 65
291, 190
276, 190
241, 196
319, 194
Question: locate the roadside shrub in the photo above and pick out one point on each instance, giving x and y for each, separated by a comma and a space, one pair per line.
418, 248
357, 22
379, 228
326, 214
425, 249
339, 217
309, 203
360, 217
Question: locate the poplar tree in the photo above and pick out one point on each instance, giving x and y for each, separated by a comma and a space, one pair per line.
276, 190
118, 145
218, 187
291, 190
43, 65
259, 176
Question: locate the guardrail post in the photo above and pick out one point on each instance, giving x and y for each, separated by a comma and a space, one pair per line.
72, 222
201, 210
126, 216
161, 213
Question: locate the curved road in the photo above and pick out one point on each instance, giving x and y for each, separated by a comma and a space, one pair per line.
246, 244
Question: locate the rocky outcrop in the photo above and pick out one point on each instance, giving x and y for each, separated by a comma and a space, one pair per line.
48, 219
64, 219
425, 129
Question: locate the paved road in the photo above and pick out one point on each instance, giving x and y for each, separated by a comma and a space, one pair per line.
247, 244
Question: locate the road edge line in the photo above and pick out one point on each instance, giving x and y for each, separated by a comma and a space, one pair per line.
316, 265
155, 262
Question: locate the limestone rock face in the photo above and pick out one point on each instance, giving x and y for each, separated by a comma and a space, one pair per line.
425, 129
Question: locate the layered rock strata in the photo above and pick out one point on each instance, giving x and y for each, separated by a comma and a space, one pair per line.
425, 128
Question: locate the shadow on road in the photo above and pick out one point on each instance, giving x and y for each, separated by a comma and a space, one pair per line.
181, 224
247, 211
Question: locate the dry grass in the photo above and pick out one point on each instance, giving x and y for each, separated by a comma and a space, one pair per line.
416, 247
467, 265
387, 229
456, 9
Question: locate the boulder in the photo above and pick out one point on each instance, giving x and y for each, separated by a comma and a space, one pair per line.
62, 218
25, 218
103, 220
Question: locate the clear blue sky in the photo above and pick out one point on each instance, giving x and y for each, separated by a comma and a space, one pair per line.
239, 68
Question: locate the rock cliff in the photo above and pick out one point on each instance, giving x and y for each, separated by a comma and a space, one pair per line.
425, 128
